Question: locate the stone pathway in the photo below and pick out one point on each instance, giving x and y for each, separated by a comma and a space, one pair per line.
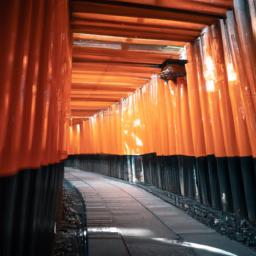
126, 220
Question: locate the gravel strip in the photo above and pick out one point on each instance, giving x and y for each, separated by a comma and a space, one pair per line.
70, 238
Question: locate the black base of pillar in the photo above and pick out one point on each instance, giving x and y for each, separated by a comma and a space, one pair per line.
28, 210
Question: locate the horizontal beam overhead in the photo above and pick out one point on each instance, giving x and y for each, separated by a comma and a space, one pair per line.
121, 65
106, 78
90, 98
115, 83
131, 10
102, 87
132, 33
115, 60
220, 3
93, 107
207, 7
113, 68
138, 21
97, 51
83, 111
113, 73
134, 27
122, 39
80, 119
82, 92
89, 104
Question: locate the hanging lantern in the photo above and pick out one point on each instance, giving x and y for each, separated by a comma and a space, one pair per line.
172, 69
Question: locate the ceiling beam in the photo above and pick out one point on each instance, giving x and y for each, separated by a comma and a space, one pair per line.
89, 104
96, 93
106, 83
188, 5
213, 7
135, 20
132, 10
112, 73
83, 111
93, 107
90, 98
107, 87
115, 67
119, 39
105, 78
114, 59
95, 30
220, 3
134, 27
97, 51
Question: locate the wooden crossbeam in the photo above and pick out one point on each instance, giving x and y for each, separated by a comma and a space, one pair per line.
95, 107
141, 12
90, 98
138, 21
212, 7
132, 33
119, 39
103, 87
105, 78
97, 24
83, 111
113, 73
116, 66
125, 54
220, 3
86, 93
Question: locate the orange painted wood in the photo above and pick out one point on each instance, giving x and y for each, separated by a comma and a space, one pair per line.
211, 112
97, 24
136, 20
103, 30
96, 99
137, 67
103, 87
143, 76
35, 79
119, 39
201, 7
224, 3
132, 11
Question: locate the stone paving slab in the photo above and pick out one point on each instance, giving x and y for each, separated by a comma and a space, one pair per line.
106, 246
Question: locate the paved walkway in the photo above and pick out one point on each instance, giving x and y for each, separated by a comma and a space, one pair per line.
126, 220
